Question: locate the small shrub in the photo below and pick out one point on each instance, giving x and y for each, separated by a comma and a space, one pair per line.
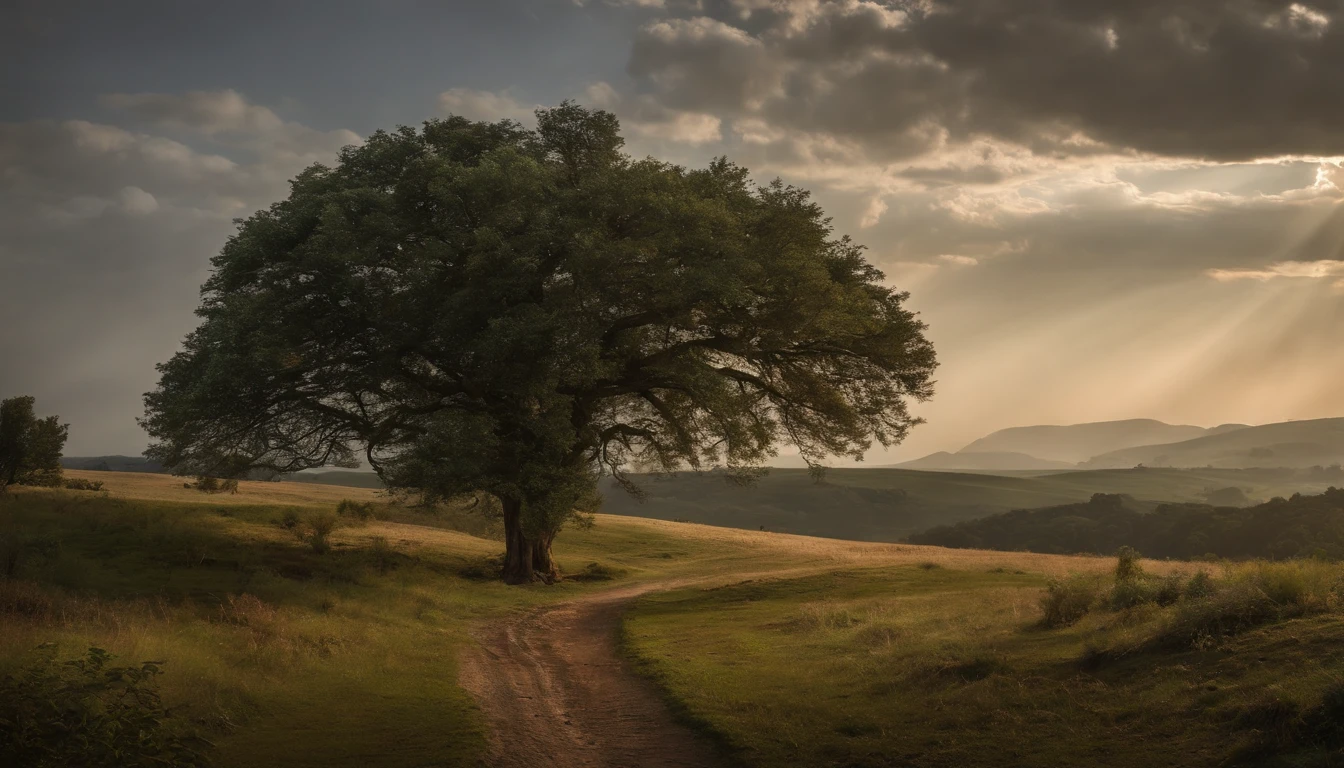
1300, 586
89, 713
1066, 601
926, 566
318, 530
1234, 609
208, 484
355, 510
1128, 565
1131, 593
1199, 586
1167, 590
289, 520
81, 484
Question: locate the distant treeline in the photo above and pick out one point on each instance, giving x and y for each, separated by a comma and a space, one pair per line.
1301, 526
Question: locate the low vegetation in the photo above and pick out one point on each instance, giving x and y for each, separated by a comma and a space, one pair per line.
1299, 526
88, 711
266, 652
937, 667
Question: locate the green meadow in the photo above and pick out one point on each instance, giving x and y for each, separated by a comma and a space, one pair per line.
786, 650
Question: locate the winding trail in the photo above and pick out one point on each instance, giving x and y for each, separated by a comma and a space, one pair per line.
557, 693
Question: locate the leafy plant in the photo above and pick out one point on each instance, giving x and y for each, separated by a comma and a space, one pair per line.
82, 484
1068, 600
88, 712
317, 528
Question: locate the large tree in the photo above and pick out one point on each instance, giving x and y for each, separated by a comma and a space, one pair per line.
30, 448
483, 309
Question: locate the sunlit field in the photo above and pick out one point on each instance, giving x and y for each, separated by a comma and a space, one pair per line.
788, 650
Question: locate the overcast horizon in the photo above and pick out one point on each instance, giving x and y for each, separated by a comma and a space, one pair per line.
1103, 209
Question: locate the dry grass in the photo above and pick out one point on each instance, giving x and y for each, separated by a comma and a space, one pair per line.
157, 487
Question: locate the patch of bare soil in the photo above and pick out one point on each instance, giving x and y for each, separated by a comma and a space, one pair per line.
557, 693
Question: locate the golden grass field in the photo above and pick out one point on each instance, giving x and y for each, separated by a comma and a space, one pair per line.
831, 653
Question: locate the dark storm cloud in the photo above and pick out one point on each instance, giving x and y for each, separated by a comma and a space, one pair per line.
1223, 80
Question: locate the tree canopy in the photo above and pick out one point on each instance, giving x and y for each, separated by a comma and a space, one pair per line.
30, 448
479, 308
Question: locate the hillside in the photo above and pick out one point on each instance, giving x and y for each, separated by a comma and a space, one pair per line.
1079, 442
973, 461
1302, 526
783, 650
882, 504
1314, 442
113, 463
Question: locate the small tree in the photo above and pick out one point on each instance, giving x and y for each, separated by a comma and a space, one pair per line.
486, 309
30, 448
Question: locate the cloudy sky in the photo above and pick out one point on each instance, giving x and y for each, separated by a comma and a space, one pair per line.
1102, 208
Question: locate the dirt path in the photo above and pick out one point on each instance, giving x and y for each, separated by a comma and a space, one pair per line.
557, 693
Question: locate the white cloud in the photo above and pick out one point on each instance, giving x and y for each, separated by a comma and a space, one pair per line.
873, 213
958, 260
484, 105
1322, 268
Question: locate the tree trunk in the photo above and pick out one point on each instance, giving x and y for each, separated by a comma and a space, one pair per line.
526, 560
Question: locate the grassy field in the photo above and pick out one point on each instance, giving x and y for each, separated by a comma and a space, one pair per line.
886, 504
834, 653
930, 665
277, 652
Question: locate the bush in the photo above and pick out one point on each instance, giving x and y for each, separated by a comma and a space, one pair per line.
1066, 601
88, 713
1128, 565
1198, 587
1301, 586
289, 520
1234, 609
357, 510
319, 527
208, 484
80, 484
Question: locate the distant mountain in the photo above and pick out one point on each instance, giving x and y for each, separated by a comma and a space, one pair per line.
996, 461
1079, 442
1313, 442
114, 463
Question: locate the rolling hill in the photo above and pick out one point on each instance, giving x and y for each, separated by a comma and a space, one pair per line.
997, 461
1314, 442
1076, 443
880, 504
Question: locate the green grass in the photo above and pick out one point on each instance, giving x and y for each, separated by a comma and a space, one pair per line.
282, 655
866, 654
943, 667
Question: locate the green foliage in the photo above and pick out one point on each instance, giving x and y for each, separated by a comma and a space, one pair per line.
484, 308
81, 484
87, 712
1128, 564
317, 529
1067, 600
30, 448
212, 484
